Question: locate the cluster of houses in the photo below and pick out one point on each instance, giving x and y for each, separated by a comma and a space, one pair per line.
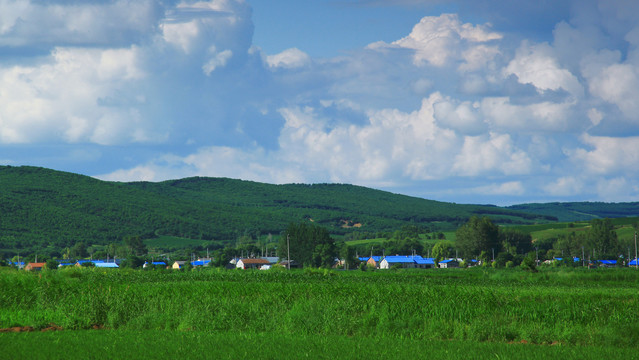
418, 262
265, 263
593, 263
31, 266
409, 262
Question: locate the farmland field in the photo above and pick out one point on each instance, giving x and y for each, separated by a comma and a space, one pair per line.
574, 313
448, 235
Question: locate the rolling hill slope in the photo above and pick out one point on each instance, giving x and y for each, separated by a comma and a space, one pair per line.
581, 211
42, 207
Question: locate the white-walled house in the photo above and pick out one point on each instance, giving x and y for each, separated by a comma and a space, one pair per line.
251, 263
449, 263
178, 265
407, 262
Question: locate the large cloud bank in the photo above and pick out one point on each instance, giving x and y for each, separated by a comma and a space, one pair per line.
453, 111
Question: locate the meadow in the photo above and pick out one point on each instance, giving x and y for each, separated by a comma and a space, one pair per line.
322, 313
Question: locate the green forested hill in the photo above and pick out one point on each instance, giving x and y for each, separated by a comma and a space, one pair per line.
41, 207
581, 211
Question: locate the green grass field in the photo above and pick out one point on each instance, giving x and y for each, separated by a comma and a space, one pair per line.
568, 313
623, 227
130, 344
450, 235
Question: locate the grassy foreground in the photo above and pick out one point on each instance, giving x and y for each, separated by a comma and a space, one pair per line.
130, 344
316, 313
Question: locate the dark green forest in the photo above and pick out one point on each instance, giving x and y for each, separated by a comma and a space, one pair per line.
580, 211
43, 209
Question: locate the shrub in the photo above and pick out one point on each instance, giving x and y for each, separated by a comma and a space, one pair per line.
52, 265
529, 263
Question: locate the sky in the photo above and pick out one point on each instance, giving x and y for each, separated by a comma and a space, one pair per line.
467, 101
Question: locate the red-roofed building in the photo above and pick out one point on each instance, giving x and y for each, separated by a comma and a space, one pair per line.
35, 266
251, 263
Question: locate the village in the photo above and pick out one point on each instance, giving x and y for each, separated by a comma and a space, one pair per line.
269, 262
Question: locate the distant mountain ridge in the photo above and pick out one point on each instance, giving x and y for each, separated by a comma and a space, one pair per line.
580, 211
40, 206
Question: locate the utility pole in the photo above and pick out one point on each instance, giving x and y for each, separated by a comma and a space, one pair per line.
288, 250
636, 261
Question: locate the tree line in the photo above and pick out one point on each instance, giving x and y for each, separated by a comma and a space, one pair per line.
482, 239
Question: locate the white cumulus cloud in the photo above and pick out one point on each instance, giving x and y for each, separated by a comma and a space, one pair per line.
289, 58
608, 155
513, 188
491, 154
56, 100
55, 23
618, 84
538, 66
564, 186
438, 39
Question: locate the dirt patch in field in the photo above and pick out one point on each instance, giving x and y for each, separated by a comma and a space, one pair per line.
14, 329
554, 343
346, 224
17, 329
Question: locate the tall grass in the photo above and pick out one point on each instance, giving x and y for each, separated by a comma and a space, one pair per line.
132, 344
569, 307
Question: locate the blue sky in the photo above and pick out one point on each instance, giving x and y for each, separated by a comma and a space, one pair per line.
470, 101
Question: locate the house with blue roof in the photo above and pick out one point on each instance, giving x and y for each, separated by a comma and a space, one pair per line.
18, 264
424, 263
407, 262
200, 262
154, 263
448, 263
106, 265
371, 260
85, 262
607, 263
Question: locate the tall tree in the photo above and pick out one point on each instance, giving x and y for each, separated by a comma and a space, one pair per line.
603, 238
443, 250
515, 241
79, 250
477, 235
348, 254
573, 244
309, 245
136, 245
